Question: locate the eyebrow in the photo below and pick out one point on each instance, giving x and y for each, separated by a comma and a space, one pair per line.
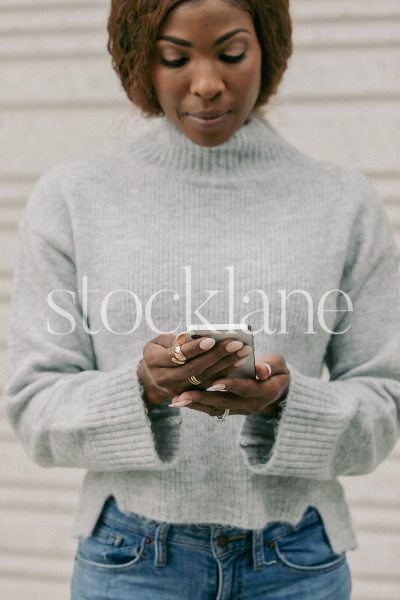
186, 44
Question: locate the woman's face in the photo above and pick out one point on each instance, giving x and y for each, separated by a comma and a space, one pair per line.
207, 62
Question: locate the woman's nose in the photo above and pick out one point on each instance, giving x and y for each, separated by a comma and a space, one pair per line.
207, 82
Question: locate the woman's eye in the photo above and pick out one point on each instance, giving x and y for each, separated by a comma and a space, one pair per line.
173, 63
233, 59
181, 61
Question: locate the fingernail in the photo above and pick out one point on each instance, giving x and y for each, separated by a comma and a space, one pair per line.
207, 343
234, 346
216, 388
244, 352
239, 362
180, 338
179, 403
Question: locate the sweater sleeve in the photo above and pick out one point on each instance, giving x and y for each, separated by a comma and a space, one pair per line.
65, 411
349, 424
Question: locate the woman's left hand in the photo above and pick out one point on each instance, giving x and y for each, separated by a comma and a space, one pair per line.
243, 396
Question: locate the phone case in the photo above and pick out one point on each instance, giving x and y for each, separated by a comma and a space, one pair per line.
226, 331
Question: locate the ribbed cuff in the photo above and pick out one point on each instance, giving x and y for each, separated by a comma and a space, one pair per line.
303, 441
118, 431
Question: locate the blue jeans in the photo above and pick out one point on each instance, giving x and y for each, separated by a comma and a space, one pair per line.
131, 557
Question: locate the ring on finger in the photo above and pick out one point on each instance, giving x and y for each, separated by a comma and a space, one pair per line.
223, 416
194, 380
178, 362
179, 358
269, 368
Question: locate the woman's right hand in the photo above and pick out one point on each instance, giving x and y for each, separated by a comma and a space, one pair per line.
162, 379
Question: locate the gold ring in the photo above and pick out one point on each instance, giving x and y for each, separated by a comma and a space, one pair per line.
179, 354
178, 362
194, 380
269, 369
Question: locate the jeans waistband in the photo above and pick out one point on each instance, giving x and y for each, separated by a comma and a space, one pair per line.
200, 535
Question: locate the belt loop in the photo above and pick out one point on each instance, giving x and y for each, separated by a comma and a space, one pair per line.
161, 544
258, 549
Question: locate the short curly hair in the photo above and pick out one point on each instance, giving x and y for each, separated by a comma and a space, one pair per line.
134, 25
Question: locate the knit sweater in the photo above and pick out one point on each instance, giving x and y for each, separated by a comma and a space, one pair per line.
163, 233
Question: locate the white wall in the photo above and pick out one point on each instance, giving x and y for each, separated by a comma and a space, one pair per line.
59, 100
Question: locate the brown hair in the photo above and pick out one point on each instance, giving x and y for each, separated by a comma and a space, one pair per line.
134, 25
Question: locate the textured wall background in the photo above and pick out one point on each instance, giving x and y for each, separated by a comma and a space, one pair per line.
59, 100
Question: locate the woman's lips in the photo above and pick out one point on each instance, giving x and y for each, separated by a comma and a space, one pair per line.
208, 122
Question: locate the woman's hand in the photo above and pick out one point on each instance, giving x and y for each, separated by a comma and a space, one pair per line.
162, 379
243, 396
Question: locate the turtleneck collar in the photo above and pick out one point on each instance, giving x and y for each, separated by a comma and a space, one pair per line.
254, 143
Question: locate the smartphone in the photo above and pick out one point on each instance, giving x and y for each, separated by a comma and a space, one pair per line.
229, 331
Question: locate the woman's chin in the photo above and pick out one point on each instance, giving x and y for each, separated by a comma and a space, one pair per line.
208, 137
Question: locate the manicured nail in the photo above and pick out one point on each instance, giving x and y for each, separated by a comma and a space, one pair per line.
180, 338
239, 363
216, 388
269, 369
207, 343
179, 403
244, 352
234, 346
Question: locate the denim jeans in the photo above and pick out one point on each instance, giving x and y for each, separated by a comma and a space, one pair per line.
131, 557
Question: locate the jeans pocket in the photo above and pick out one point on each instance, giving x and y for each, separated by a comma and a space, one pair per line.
111, 549
307, 549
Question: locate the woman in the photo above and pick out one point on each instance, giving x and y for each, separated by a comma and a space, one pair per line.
211, 212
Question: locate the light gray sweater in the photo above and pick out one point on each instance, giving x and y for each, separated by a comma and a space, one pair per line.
169, 222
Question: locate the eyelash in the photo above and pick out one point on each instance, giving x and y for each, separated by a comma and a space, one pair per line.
181, 61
